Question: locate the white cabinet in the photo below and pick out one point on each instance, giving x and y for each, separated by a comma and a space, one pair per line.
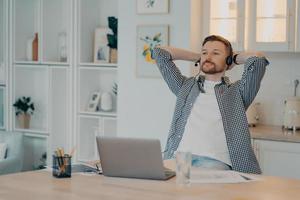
93, 77
298, 26
272, 25
265, 25
225, 18
278, 158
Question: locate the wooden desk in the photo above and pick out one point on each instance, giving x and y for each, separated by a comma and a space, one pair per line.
40, 185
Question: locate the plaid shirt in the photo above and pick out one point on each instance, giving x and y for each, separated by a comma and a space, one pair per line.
233, 100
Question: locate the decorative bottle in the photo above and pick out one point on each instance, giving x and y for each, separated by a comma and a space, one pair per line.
35, 47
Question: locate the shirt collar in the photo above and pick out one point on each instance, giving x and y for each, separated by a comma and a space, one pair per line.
224, 80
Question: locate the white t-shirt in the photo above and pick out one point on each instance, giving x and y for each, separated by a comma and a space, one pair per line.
204, 132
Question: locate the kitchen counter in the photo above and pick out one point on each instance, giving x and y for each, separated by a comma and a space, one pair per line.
275, 133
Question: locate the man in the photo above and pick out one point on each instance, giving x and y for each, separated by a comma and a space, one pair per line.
209, 118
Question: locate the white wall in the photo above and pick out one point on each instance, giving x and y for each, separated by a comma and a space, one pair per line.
276, 86
145, 106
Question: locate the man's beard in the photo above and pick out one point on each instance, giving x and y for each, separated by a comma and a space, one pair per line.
211, 70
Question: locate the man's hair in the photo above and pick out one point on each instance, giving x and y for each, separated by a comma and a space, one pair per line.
212, 38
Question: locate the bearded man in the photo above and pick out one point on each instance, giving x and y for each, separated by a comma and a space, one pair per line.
210, 113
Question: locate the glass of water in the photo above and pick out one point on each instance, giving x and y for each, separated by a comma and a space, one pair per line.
183, 167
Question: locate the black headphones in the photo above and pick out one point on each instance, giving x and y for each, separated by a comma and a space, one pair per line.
229, 60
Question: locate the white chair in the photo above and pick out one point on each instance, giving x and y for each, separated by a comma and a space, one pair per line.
13, 160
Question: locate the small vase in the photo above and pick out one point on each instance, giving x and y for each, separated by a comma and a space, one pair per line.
106, 101
35, 48
24, 120
113, 55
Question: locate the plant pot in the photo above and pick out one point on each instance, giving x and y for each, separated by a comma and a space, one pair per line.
113, 55
24, 120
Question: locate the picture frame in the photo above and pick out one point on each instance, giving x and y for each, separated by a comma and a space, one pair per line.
152, 6
101, 50
93, 101
148, 37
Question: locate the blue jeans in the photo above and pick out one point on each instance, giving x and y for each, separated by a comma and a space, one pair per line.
207, 162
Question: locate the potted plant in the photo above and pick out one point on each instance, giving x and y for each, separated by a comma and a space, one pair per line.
113, 39
24, 109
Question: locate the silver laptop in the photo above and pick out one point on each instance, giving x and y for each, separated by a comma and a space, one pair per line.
132, 158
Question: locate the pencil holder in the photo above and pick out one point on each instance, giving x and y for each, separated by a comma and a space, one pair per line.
61, 166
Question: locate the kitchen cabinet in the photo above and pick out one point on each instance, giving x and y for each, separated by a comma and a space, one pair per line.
225, 18
272, 25
264, 25
278, 158
298, 26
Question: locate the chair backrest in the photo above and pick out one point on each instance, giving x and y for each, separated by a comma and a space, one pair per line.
15, 152
14, 141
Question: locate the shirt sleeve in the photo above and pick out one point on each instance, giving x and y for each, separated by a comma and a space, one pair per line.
169, 70
249, 84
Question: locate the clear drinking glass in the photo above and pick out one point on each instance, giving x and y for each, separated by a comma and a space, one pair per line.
183, 167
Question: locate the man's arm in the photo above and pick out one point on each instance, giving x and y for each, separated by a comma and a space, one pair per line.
164, 57
254, 69
182, 54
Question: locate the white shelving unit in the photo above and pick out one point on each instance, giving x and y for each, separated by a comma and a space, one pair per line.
91, 77
3, 62
48, 81
61, 81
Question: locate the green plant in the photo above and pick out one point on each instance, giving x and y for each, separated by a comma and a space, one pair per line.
24, 106
113, 38
115, 88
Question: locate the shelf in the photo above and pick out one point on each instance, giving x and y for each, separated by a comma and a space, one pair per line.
98, 114
110, 65
41, 63
36, 135
32, 131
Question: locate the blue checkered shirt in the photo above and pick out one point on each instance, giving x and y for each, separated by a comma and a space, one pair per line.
233, 100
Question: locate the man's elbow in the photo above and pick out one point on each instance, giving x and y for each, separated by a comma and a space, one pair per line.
260, 54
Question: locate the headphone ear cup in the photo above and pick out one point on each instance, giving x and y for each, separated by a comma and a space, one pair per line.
197, 63
229, 60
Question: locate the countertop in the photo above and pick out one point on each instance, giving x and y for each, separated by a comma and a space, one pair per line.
276, 133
